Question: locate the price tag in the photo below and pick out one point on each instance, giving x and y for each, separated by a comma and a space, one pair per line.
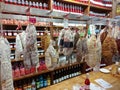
32, 19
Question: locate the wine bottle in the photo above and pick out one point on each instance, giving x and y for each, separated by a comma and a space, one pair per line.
57, 76
20, 85
77, 69
29, 87
16, 86
37, 83
74, 71
62, 74
41, 81
24, 85
44, 81
54, 76
67, 74
48, 80
33, 85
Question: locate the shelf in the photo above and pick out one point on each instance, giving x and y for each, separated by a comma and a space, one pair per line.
13, 48
41, 56
10, 37
19, 9
60, 53
99, 7
39, 36
13, 37
39, 46
18, 12
31, 75
68, 65
42, 72
76, 2
21, 59
44, 24
13, 60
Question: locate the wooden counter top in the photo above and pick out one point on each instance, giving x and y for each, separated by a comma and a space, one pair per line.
115, 81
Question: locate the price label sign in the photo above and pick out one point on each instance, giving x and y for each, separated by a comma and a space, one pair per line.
118, 9
32, 19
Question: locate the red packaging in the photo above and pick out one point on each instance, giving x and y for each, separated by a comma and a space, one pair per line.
22, 71
44, 67
33, 69
39, 68
17, 72
32, 19
27, 71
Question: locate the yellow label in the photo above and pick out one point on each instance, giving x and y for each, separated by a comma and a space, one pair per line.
118, 9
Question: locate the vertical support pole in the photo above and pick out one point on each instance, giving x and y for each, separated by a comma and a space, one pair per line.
114, 5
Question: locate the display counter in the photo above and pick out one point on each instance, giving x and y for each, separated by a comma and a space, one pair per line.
68, 84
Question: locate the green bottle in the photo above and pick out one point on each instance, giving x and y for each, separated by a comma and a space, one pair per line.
37, 83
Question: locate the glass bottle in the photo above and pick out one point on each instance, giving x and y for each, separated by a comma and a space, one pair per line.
34, 5
87, 82
26, 3
57, 77
37, 83
37, 4
19, 2
44, 81
23, 2
54, 75
44, 6
48, 80
33, 85
40, 5
41, 81
24, 85
30, 3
